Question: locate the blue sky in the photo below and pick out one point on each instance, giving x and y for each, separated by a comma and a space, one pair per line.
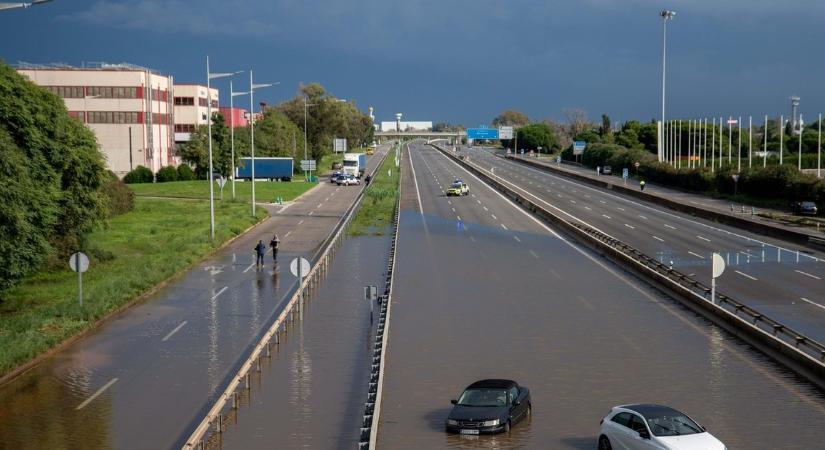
461, 61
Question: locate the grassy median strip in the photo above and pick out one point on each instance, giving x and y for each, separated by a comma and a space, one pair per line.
379, 201
137, 250
265, 191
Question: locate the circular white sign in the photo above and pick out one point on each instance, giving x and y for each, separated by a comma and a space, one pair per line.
718, 265
293, 267
79, 257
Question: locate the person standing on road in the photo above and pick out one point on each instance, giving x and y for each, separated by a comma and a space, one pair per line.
642, 185
260, 251
275, 243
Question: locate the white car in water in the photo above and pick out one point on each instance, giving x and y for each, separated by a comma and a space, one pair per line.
653, 427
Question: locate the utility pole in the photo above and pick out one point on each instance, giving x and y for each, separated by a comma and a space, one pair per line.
666, 15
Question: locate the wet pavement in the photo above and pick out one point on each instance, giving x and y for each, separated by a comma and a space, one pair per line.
147, 377
484, 291
311, 393
777, 278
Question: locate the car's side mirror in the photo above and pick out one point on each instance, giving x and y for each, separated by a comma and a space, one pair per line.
454, 401
644, 434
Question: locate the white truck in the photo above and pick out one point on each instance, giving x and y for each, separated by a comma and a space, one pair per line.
355, 164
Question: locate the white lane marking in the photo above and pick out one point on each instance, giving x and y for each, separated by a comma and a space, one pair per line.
811, 302
459, 217
620, 209
449, 202
658, 210
745, 275
670, 226
573, 202
96, 394
658, 238
319, 205
302, 221
248, 268
479, 201
288, 233
697, 255
177, 328
516, 238
415, 180
494, 216
472, 239
703, 238
473, 195
285, 207
219, 293
606, 216
603, 202
807, 274
504, 226
311, 213
642, 217
485, 208
630, 226
588, 208
453, 209
534, 254
559, 195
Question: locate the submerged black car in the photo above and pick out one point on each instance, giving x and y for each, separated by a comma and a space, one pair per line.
489, 406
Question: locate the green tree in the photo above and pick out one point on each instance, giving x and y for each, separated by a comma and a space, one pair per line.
51, 178
605, 128
511, 118
196, 151
533, 136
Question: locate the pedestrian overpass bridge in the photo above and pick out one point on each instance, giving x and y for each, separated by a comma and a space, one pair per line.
452, 137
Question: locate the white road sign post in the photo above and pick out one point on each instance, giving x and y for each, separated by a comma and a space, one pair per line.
79, 262
221, 183
505, 133
300, 271
339, 145
718, 267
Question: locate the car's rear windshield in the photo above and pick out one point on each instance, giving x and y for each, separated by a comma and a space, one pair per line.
483, 397
456, 185
808, 204
671, 424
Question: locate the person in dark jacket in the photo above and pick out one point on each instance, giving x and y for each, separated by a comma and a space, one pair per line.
260, 251
274, 244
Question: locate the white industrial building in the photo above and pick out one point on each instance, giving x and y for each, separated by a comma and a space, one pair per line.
129, 108
191, 110
405, 126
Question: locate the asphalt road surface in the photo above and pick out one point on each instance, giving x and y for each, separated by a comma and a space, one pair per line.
483, 290
145, 379
779, 279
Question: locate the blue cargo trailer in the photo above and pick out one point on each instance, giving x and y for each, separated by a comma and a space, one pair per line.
268, 168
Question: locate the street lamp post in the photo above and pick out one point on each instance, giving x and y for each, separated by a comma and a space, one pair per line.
306, 106
232, 95
252, 87
209, 77
666, 15
801, 131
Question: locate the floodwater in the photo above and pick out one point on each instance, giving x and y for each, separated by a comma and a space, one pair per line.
311, 393
470, 303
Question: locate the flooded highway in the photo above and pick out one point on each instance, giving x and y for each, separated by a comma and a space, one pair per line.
484, 291
144, 379
311, 393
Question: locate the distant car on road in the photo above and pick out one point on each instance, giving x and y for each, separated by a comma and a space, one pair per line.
348, 180
334, 177
458, 188
488, 407
804, 208
644, 427
607, 170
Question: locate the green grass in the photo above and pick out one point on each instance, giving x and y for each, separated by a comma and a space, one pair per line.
265, 191
379, 202
137, 250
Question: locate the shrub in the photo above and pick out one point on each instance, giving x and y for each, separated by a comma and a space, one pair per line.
185, 173
140, 174
166, 174
120, 199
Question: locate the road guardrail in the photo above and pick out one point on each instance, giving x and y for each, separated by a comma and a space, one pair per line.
214, 419
802, 354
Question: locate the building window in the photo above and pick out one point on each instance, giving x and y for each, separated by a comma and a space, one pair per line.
184, 101
66, 91
202, 102
115, 117
184, 128
112, 92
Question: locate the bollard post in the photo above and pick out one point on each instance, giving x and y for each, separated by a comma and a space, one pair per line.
248, 382
753, 211
731, 207
743, 209
269, 349
258, 368
235, 400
